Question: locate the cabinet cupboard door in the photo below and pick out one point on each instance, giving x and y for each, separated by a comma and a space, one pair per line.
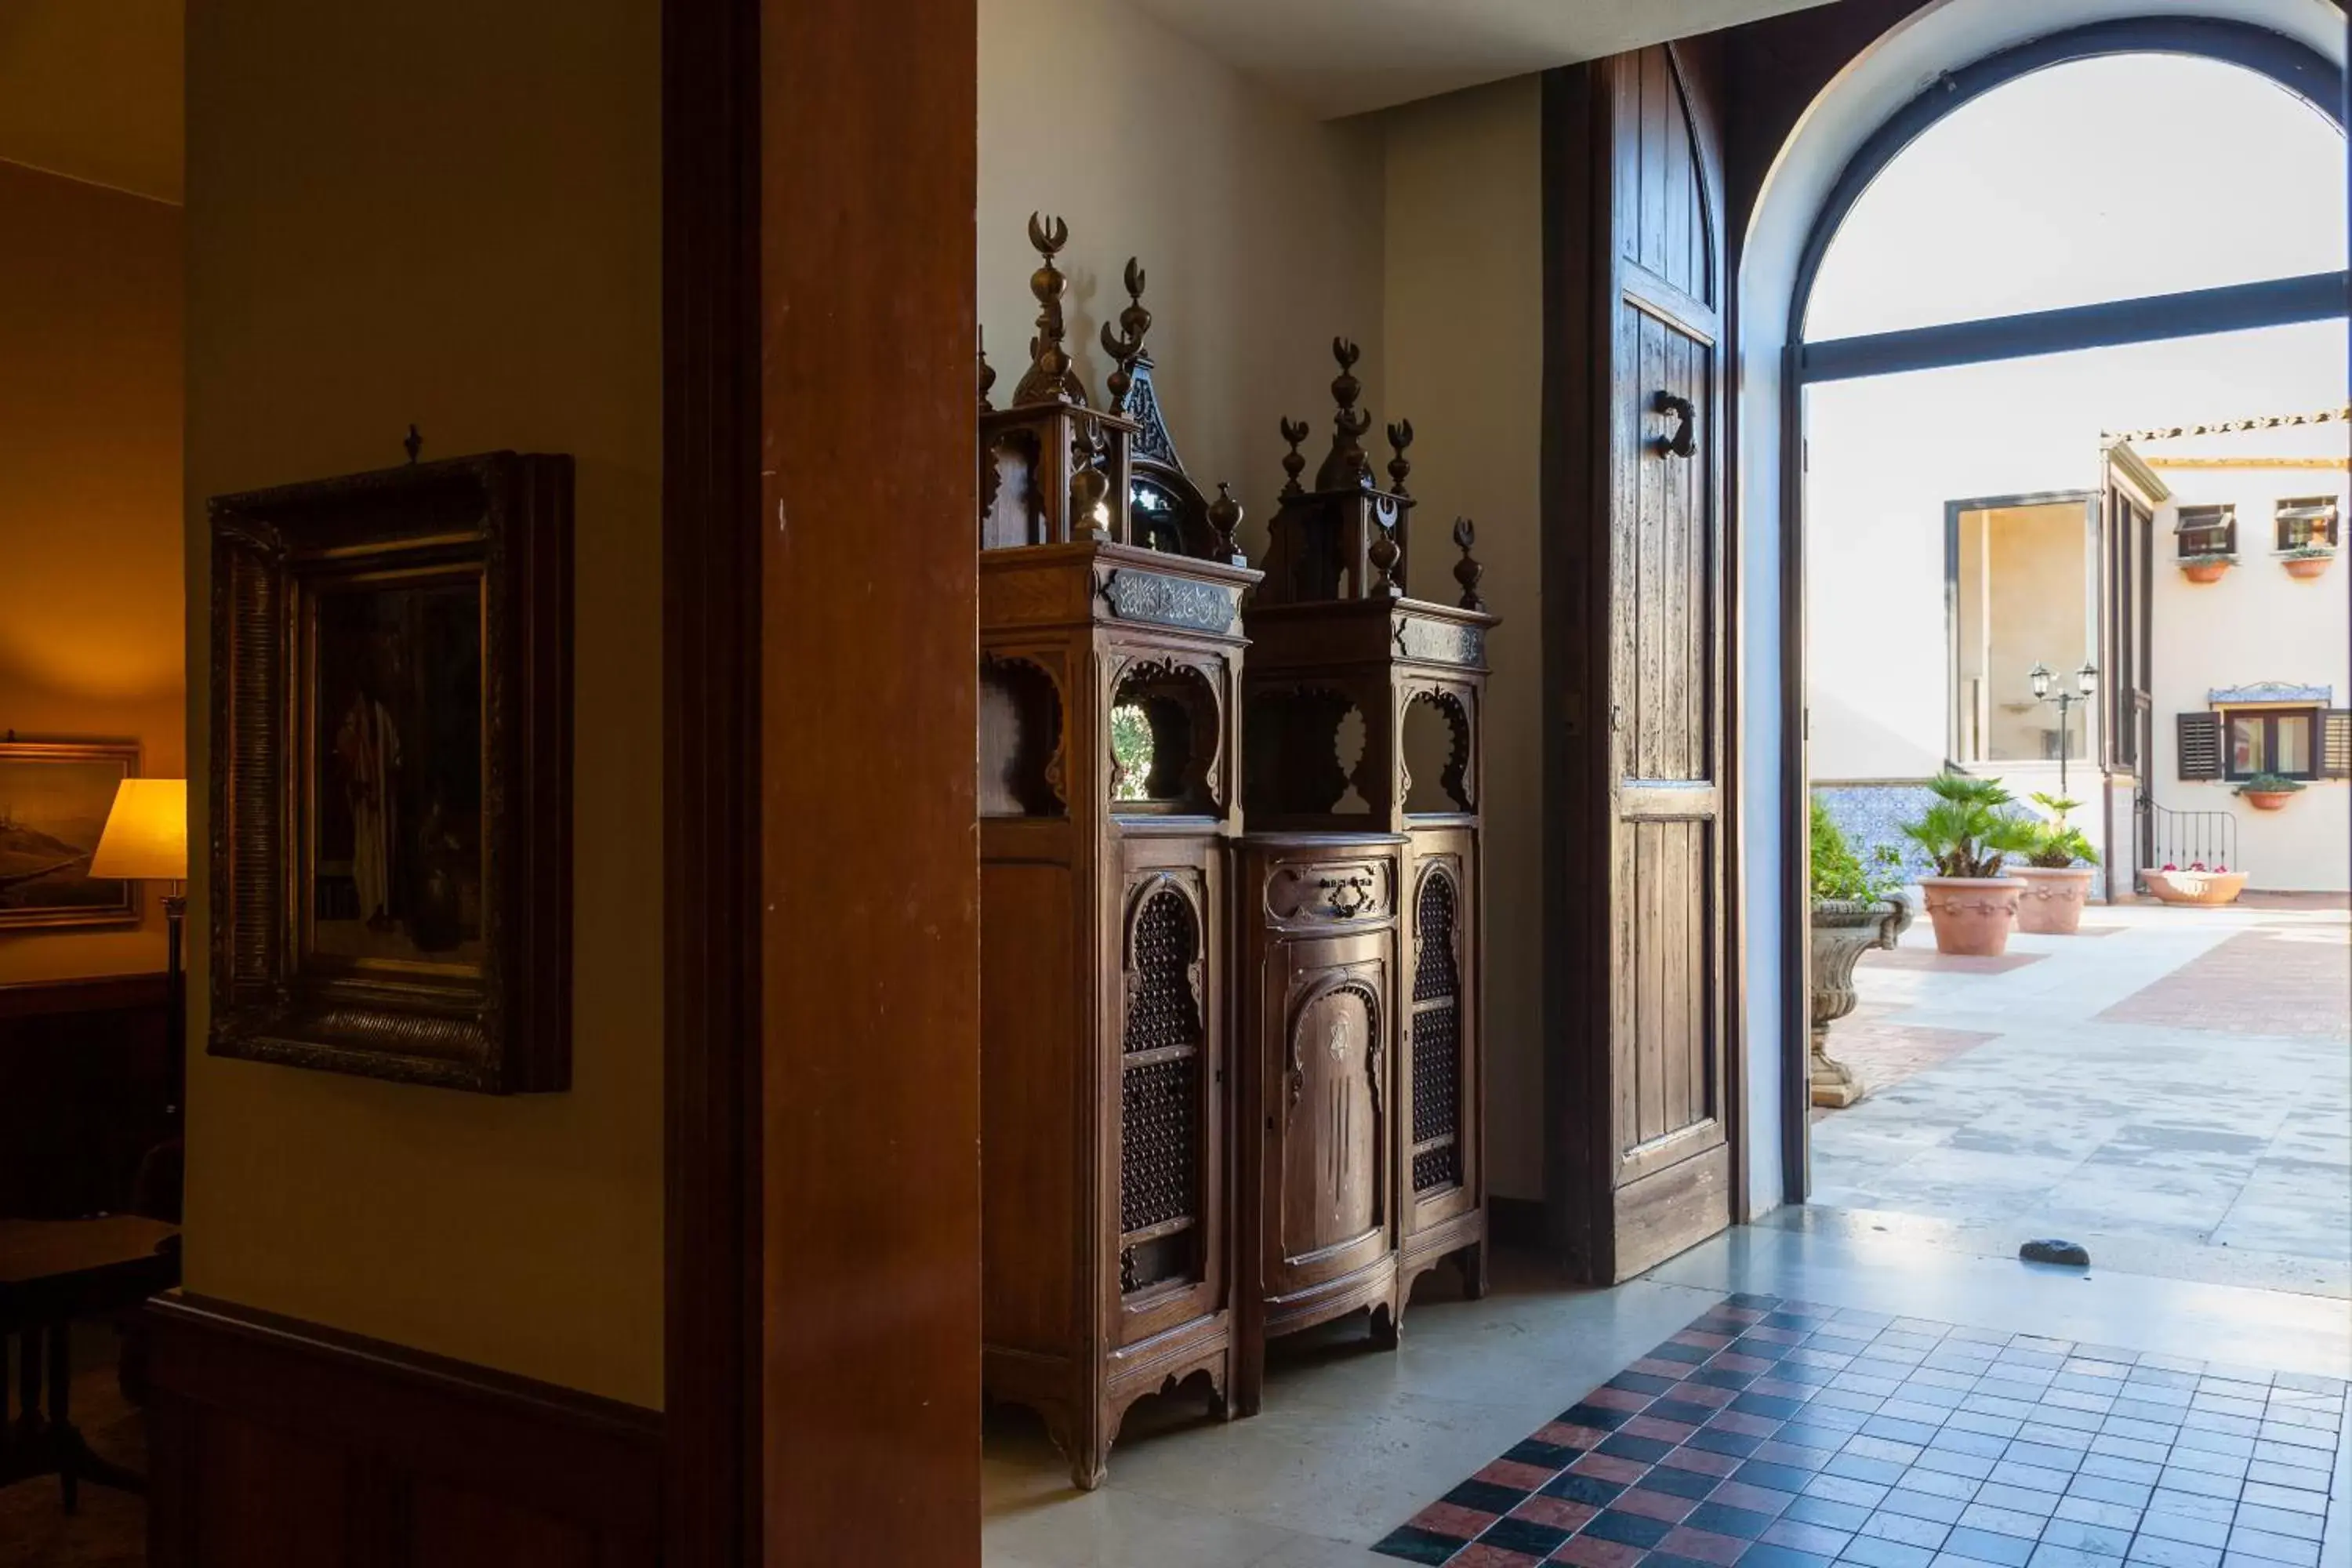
1330, 1104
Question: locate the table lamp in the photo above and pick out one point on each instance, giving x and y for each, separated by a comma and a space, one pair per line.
146, 840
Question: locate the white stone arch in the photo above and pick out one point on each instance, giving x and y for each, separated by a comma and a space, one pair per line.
1872, 89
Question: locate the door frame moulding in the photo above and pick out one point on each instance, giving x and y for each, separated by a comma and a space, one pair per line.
710, 780
2292, 63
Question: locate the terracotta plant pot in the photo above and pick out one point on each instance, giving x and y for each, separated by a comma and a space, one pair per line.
2205, 570
2309, 566
1972, 915
2208, 888
2268, 799
2051, 904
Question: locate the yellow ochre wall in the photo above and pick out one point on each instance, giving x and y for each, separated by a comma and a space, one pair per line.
1258, 226
448, 213
91, 643
1463, 330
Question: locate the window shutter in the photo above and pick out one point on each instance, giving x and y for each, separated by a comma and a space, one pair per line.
2201, 745
2336, 743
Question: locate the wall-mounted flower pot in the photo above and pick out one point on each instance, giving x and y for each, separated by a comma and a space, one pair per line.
1972, 915
2051, 904
2204, 571
2267, 799
2206, 889
2308, 566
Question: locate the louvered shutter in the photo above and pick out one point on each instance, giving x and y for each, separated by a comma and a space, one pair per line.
2201, 745
2336, 743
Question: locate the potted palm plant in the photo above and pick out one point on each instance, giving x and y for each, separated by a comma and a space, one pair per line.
1968, 832
1855, 907
2056, 873
2269, 791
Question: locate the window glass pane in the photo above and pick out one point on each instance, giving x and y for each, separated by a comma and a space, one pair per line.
2105, 179
2246, 744
2292, 732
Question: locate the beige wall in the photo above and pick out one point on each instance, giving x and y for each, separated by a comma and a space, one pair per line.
2257, 623
91, 644
1259, 227
1462, 315
449, 213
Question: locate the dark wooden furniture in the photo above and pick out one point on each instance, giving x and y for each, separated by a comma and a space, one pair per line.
1110, 671
85, 1093
54, 1273
1320, 1104
279, 1443
1343, 659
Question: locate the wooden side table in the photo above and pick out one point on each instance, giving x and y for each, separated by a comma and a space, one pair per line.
53, 1272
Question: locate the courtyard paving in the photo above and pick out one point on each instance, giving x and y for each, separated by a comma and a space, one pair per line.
2173, 1087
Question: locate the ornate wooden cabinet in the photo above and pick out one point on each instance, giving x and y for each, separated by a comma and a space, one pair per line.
1363, 725
1110, 672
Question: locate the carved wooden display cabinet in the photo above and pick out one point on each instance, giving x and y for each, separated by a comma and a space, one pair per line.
1361, 1161
1110, 672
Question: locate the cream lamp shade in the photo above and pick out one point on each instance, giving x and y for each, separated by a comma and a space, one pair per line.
146, 837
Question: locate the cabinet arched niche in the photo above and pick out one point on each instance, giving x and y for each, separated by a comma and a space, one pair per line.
1436, 1034
1163, 1096
1331, 1177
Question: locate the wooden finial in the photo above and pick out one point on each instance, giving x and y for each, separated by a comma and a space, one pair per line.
1400, 438
1050, 379
1467, 570
1346, 466
1293, 462
1088, 484
412, 444
1226, 517
987, 372
1384, 553
1126, 346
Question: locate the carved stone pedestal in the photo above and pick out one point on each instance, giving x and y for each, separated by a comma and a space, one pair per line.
1843, 932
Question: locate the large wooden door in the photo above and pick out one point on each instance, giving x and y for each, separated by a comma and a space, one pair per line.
1654, 1048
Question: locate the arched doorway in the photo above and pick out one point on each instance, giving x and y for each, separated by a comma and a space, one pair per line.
1856, 130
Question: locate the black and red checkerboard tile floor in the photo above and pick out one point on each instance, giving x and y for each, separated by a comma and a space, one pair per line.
1774, 1434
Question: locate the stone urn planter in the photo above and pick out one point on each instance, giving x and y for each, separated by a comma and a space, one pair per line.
1842, 932
2051, 903
2204, 571
2307, 566
2208, 889
1972, 915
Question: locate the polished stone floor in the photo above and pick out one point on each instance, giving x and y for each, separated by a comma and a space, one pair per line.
2176, 1092
1353, 1442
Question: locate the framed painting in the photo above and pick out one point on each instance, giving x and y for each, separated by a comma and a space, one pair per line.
54, 797
392, 803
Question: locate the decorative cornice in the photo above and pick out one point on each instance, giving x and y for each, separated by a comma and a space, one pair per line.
2232, 426
2270, 691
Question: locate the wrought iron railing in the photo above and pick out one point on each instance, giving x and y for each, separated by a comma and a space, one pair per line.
2186, 838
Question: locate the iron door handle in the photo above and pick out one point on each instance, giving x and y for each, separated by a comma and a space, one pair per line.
1683, 442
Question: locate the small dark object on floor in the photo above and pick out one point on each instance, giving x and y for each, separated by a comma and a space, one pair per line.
2050, 1250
